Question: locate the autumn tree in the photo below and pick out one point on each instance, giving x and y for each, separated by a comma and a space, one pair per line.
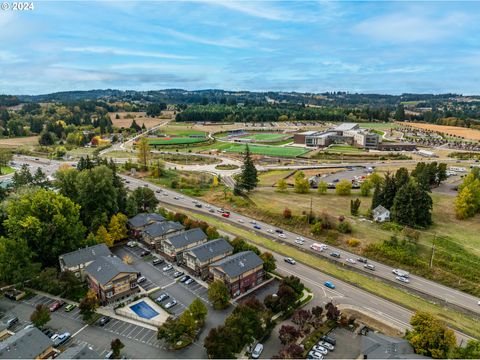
40, 316
344, 187
322, 188
301, 185
332, 311
287, 213
268, 261
143, 152
88, 305
282, 186
118, 227
219, 294
288, 334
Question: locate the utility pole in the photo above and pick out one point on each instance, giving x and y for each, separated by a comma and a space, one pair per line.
433, 250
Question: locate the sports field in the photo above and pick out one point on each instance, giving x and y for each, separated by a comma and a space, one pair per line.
268, 150
175, 140
265, 136
182, 132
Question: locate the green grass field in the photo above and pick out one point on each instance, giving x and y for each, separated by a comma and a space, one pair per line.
173, 131
265, 136
344, 149
268, 150
4, 170
378, 125
175, 140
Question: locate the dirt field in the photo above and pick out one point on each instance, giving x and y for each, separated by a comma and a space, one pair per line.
19, 141
450, 130
140, 118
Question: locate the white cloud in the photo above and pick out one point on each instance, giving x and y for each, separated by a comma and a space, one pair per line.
255, 9
232, 42
8, 57
126, 52
411, 26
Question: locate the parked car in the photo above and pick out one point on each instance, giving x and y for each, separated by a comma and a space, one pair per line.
132, 244
320, 349
157, 261
369, 267
177, 274
109, 355
12, 320
56, 305
171, 304
326, 345
168, 267
104, 320
189, 281
314, 355
257, 351
335, 254
162, 297
290, 260
145, 253
402, 279
329, 284
70, 307
362, 260
141, 279
61, 339
184, 278
329, 339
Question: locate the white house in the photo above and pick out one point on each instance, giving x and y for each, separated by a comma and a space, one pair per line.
380, 214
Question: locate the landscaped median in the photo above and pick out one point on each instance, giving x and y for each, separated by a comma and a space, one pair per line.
456, 319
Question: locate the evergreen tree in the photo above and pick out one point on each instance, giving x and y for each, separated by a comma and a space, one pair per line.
388, 192
400, 113
354, 206
412, 206
401, 177
377, 198
249, 176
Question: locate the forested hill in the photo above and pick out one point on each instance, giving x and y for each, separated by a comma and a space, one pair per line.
213, 96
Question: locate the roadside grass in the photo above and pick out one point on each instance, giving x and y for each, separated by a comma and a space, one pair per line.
186, 159
5, 170
81, 151
268, 178
455, 319
226, 167
344, 148
117, 154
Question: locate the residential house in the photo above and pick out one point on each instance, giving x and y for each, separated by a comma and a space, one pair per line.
198, 258
380, 214
154, 233
240, 272
27, 344
76, 261
173, 246
111, 279
137, 223
79, 352
379, 346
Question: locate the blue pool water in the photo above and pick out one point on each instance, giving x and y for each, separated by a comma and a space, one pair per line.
144, 310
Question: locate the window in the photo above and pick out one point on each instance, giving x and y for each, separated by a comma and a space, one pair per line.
109, 294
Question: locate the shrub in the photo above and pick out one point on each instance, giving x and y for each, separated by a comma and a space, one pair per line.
287, 213
343, 188
344, 227
352, 242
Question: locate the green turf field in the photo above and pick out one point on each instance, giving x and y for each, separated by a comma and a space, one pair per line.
265, 136
343, 149
172, 131
268, 150
175, 140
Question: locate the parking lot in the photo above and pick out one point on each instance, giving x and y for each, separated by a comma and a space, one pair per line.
131, 331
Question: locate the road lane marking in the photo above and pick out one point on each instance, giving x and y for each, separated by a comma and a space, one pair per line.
80, 330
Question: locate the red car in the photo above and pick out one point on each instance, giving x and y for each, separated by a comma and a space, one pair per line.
56, 305
226, 215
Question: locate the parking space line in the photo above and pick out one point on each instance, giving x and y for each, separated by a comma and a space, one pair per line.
132, 330
142, 339
121, 328
134, 335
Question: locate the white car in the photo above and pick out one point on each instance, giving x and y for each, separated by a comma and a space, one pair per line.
326, 345
257, 351
320, 349
253, 222
283, 236
241, 221
402, 279
168, 267
290, 261
351, 261
270, 231
314, 355
132, 244
176, 198
171, 304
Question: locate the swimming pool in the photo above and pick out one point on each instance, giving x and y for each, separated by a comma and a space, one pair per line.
144, 310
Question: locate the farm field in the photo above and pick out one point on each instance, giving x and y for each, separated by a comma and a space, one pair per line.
140, 118
450, 130
18, 142
268, 150
175, 140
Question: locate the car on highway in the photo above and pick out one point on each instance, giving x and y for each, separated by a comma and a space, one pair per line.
299, 240
70, 307
211, 210
401, 273
326, 345
283, 236
165, 194
369, 267
167, 268
362, 260
336, 180
177, 274
290, 260
189, 281
176, 198
56, 305
132, 244
162, 297
257, 227
314, 355
158, 191
402, 279
329, 284
270, 231
351, 261
279, 231
226, 215
253, 222
157, 261
320, 349
171, 304
198, 205
12, 320
104, 320
146, 185
335, 254
241, 221
145, 253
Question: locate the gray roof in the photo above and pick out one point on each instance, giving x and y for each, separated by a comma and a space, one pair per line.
239, 263
380, 346
159, 229
380, 210
346, 127
25, 344
311, 132
79, 352
105, 268
84, 255
187, 237
211, 249
143, 219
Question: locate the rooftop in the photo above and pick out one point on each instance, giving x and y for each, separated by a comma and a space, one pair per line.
161, 228
187, 237
143, 219
25, 344
345, 127
379, 346
211, 249
239, 263
105, 268
79, 352
84, 255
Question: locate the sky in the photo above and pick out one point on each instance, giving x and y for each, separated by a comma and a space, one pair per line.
305, 46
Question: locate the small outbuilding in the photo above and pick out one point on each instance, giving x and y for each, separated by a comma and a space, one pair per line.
381, 214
